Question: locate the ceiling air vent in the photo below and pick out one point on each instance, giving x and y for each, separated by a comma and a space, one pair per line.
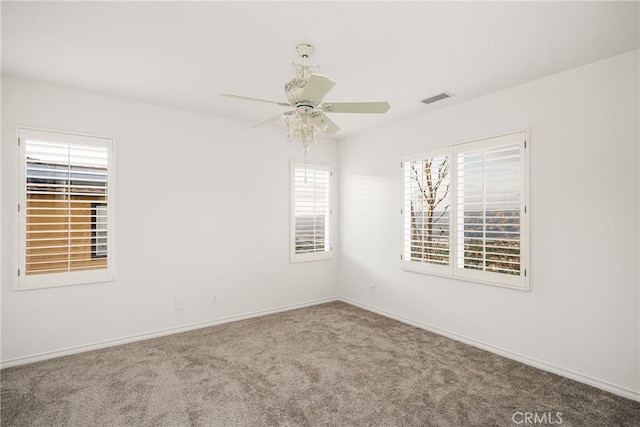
439, 97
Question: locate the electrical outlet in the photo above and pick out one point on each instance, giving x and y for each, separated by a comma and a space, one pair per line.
179, 304
373, 288
214, 299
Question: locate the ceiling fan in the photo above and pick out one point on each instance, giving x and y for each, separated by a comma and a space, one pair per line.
305, 93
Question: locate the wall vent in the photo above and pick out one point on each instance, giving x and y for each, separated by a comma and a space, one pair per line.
436, 98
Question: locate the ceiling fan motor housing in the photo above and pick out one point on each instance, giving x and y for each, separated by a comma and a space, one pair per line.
303, 110
294, 90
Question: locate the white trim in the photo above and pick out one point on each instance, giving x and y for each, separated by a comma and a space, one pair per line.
64, 132
539, 364
63, 280
17, 361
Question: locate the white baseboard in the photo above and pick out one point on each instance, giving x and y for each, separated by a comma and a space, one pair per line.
549, 367
154, 334
586, 379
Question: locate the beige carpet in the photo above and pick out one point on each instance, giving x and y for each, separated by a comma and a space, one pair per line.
331, 364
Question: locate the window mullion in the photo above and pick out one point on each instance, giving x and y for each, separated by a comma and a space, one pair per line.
68, 208
314, 212
484, 211
453, 222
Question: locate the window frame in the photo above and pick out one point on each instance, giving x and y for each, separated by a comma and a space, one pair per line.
23, 281
312, 256
518, 282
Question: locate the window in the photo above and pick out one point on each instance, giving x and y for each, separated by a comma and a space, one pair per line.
66, 208
464, 211
310, 212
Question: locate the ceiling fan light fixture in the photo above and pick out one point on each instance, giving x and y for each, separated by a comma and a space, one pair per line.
303, 127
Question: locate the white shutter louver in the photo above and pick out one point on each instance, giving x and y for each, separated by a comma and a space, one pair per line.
311, 211
65, 224
426, 210
489, 196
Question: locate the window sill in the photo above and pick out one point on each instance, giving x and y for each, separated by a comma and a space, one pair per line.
318, 256
525, 287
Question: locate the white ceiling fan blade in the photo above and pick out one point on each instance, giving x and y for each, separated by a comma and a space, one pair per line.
269, 121
253, 98
356, 107
322, 120
316, 88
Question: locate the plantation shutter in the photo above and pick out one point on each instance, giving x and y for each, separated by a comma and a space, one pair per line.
490, 204
311, 211
426, 212
65, 215
463, 211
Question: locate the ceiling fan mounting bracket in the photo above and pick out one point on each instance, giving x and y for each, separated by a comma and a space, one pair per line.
304, 50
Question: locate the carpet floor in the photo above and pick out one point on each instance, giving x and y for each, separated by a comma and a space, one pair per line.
330, 364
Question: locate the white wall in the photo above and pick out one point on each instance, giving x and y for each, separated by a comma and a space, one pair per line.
582, 316
183, 179
202, 208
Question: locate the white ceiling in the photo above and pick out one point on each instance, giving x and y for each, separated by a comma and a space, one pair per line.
182, 54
